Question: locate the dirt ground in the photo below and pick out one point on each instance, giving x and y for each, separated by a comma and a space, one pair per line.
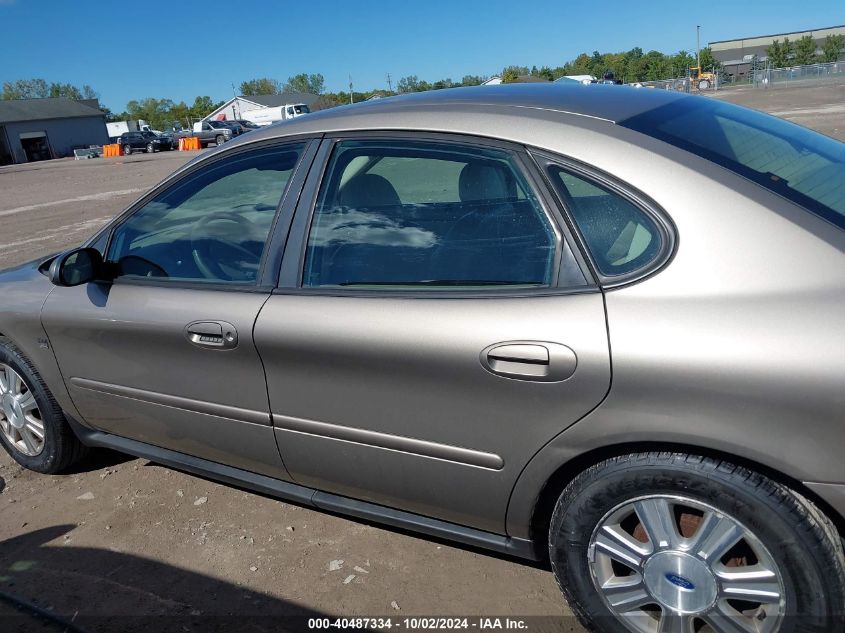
123, 544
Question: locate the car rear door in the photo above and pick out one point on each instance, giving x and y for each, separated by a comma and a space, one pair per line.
164, 354
433, 327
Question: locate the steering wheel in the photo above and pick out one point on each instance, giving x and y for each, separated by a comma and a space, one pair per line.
210, 248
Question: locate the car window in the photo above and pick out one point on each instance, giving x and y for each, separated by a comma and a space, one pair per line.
799, 164
210, 227
620, 237
427, 215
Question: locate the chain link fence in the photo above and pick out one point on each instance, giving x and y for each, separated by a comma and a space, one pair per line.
783, 77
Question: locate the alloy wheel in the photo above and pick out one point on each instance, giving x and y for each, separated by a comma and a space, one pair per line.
20, 419
672, 564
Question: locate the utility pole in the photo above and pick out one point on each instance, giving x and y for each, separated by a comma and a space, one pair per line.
698, 47
350, 90
389, 83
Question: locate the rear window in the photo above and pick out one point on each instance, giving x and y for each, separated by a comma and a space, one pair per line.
803, 166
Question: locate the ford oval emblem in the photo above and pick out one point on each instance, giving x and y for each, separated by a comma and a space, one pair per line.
680, 581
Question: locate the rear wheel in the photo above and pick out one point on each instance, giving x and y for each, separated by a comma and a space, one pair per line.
704, 84
659, 542
33, 429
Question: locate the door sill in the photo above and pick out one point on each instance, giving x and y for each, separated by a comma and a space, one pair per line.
520, 548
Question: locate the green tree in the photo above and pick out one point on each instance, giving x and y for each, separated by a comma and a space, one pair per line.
25, 89
262, 86
472, 80
40, 89
202, 107
709, 63
68, 91
832, 47
154, 111
779, 53
510, 75
805, 51
305, 83
412, 83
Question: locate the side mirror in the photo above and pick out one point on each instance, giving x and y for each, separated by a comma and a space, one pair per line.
76, 267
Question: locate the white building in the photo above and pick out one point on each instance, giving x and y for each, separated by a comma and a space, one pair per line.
235, 106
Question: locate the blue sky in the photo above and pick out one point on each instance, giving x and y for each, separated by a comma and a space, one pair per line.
181, 49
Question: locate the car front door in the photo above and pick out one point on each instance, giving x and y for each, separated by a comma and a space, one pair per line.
432, 330
164, 354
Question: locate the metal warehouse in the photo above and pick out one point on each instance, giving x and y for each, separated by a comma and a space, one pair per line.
736, 55
40, 129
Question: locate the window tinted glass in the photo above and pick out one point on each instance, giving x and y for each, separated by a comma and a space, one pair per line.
431, 215
799, 164
211, 226
620, 237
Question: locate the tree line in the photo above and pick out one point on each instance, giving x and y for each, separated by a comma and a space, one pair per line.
804, 51
629, 66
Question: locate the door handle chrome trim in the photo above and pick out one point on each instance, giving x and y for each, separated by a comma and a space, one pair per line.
212, 334
537, 361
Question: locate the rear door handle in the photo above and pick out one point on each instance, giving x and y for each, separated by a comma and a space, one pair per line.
530, 360
212, 334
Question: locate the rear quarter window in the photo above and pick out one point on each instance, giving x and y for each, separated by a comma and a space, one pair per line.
803, 166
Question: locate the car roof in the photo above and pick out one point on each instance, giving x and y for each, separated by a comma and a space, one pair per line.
595, 101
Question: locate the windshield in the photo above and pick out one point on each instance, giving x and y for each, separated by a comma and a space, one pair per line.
803, 166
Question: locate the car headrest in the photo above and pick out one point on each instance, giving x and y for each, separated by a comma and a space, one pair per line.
368, 190
483, 181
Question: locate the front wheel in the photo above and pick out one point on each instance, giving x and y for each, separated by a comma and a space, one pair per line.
219, 140
33, 429
150, 148
127, 150
704, 84
658, 542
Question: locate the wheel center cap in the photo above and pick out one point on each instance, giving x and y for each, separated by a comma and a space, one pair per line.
681, 582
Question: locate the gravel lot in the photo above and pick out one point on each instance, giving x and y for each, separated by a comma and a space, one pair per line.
123, 538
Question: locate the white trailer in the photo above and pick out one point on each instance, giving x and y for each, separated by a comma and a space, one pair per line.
116, 128
266, 116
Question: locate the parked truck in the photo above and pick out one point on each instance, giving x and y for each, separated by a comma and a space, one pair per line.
211, 132
266, 116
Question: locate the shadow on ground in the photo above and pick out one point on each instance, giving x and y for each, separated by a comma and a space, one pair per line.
47, 586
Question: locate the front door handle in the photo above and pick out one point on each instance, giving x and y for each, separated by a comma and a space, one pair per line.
530, 360
212, 334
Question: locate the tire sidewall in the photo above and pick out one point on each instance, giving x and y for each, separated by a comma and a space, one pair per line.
48, 456
581, 509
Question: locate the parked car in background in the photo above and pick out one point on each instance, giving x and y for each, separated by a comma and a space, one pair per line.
169, 140
600, 327
212, 132
143, 142
237, 128
248, 125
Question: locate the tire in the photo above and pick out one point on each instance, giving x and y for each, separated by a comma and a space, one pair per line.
704, 84
219, 139
785, 532
61, 448
150, 148
127, 150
